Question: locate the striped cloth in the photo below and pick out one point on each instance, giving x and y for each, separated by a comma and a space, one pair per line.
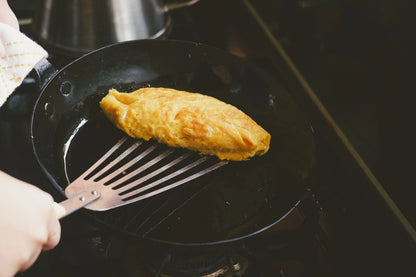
18, 55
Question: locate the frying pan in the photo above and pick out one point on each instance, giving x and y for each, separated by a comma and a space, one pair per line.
69, 132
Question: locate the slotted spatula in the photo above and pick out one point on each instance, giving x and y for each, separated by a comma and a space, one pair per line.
124, 175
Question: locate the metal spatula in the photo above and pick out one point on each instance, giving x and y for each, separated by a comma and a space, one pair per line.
125, 175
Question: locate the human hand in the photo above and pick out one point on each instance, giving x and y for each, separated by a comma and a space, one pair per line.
28, 224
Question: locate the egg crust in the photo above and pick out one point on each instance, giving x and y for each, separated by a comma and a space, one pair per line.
189, 120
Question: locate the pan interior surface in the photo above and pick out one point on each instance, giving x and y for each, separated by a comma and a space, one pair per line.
70, 132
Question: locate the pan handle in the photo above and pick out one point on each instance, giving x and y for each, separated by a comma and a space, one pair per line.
179, 4
44, 71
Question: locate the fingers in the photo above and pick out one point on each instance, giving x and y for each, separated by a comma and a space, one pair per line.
53, 227
54, 232
28, 224
48, 238
27, 262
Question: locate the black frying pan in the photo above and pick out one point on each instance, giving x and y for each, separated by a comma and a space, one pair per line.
69, 132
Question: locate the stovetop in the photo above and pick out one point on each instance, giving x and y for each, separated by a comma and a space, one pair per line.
342, 228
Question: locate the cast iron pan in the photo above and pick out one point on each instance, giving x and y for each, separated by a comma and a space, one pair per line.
69, 132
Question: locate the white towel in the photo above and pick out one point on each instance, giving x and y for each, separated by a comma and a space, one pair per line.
18, 55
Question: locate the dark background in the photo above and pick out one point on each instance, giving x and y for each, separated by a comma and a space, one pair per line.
359, 58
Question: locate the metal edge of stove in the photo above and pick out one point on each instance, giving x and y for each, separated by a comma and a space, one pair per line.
401, 218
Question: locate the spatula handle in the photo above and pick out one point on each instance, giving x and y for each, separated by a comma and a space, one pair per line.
75, 203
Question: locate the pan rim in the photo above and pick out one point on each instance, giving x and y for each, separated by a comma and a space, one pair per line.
61, 189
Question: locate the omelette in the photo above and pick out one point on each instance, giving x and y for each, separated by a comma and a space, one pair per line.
189, 120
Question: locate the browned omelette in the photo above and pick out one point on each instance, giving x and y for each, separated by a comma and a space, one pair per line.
189, 120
